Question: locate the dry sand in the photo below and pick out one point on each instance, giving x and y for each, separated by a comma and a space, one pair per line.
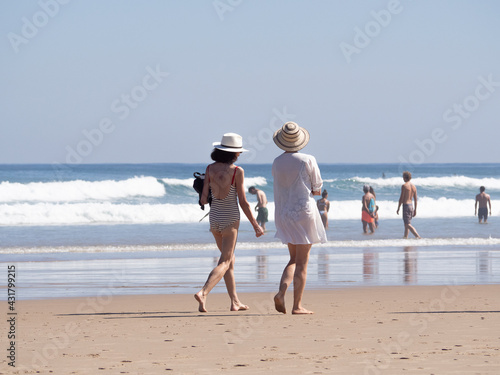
373, 330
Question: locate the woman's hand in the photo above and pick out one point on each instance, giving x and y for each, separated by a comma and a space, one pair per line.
258, 230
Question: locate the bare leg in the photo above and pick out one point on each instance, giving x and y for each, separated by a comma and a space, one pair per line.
300, 277
226, 241
413, 231
324, 219
372, 229
406, 231
364, 226
286, 280
221, 241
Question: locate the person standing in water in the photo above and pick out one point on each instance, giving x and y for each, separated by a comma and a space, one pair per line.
225, 182
368, 206
408, 195
483, 200
324, 207
261, 207
298, 223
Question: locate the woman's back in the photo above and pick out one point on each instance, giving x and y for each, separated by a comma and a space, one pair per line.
221, 177
297, 219
224, 210
322, 204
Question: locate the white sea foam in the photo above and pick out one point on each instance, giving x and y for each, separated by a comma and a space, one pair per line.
434, 182
113, 213
255, 181
382, 244
78, 190
188, 182
97, 213
426, 208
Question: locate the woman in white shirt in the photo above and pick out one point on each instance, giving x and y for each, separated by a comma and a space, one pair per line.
298, 223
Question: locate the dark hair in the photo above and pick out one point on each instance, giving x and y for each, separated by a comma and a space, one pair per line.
251, 188
372, 191
482, 188
325, 194
222, 156
406, 176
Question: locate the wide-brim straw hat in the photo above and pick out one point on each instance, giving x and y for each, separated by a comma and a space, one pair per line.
291, 137
231, 142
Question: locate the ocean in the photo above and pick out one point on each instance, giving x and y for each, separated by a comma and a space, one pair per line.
80, 230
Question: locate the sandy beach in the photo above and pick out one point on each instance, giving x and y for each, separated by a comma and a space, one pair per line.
375, 330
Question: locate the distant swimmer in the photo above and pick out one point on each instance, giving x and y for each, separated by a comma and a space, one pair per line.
408, 193
323, 207
368, 202
262, 212
484, 200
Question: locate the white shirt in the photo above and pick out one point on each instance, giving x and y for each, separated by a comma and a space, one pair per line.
296, 216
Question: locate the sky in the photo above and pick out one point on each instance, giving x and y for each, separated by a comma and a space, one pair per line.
158, 81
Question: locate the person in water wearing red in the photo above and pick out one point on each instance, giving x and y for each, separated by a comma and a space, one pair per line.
368, 206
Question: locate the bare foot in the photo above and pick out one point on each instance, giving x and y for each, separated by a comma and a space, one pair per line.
279, 304
239, 307
201, 300
302, 311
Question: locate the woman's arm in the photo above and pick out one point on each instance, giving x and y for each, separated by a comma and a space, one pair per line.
242, 199
314, 175
206, 186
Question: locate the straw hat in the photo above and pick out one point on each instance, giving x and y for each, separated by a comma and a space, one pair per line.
231, 142
291, 137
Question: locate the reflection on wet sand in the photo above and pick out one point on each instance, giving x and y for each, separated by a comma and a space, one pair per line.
483, 265
262, 267
400, 266
410, 261
323, 266
370, 265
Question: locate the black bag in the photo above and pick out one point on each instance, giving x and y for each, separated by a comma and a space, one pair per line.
199, 181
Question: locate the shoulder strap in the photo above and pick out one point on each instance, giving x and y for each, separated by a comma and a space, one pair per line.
234, 174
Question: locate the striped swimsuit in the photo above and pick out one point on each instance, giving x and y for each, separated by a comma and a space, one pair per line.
224, 212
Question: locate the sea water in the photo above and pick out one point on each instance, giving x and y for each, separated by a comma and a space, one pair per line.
72, 230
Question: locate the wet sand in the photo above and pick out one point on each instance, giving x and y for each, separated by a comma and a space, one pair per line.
449, 329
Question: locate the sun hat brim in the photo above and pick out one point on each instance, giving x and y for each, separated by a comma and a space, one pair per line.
219, 146
302, 139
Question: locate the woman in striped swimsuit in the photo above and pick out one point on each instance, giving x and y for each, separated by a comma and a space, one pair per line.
225, 182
